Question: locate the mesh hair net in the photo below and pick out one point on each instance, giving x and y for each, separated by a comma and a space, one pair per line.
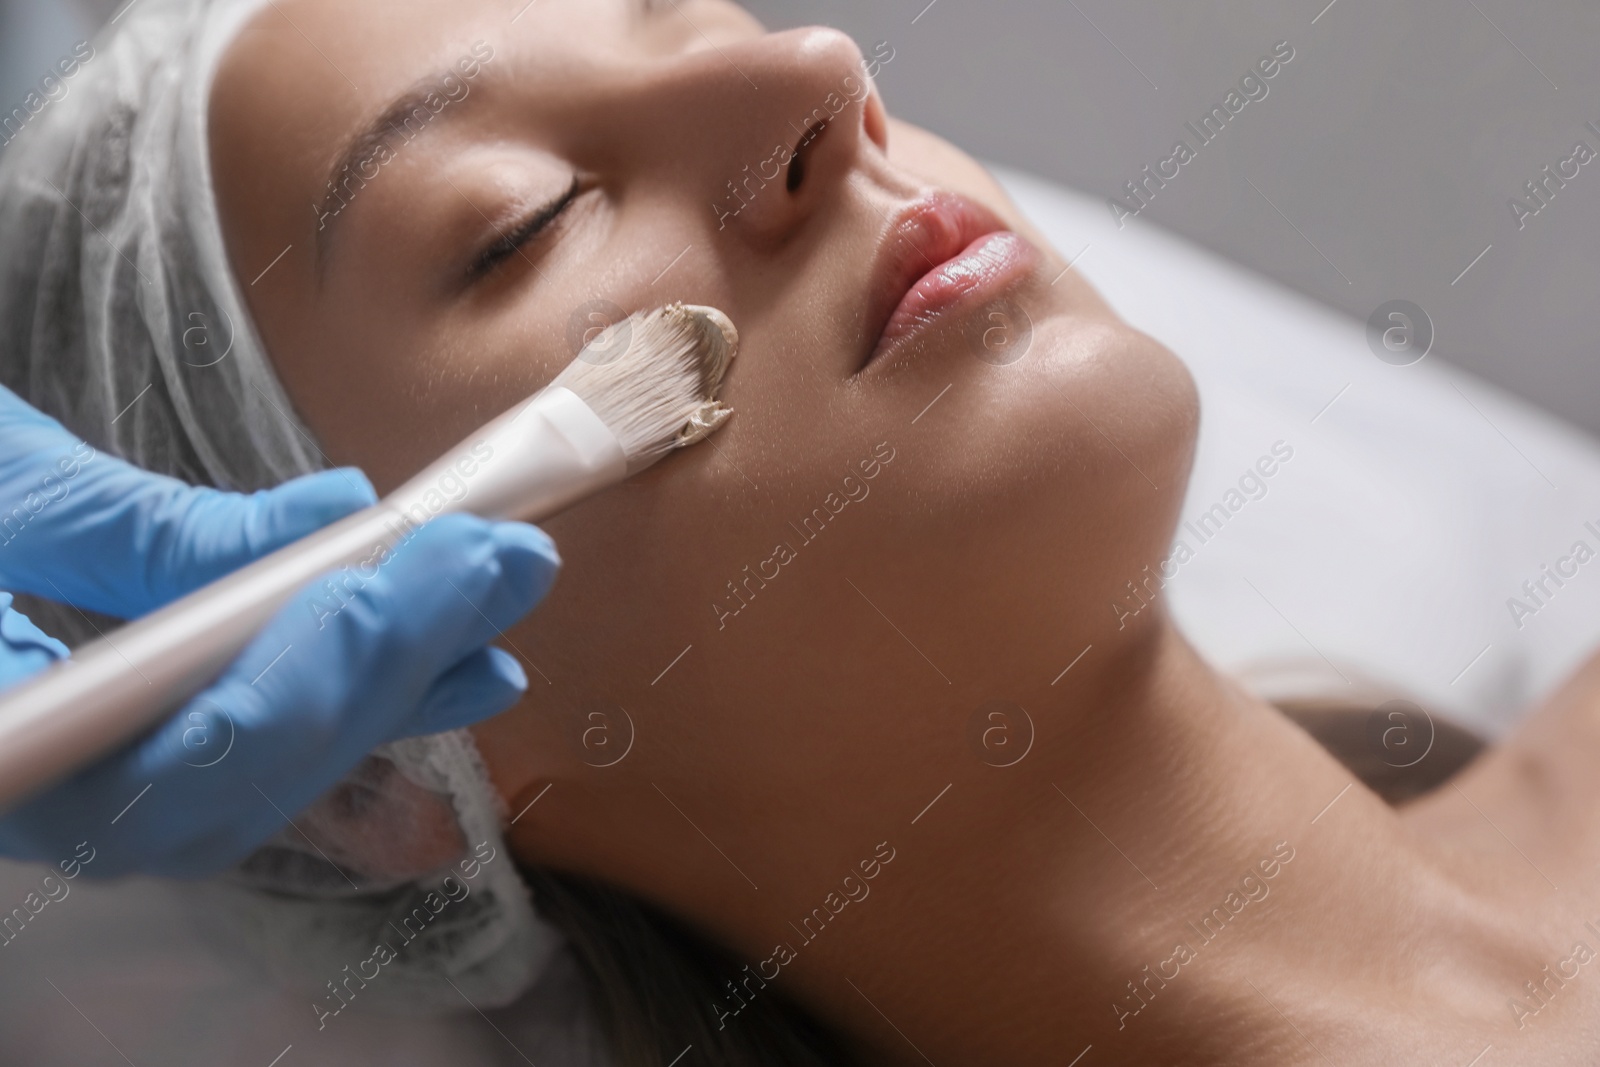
120, 317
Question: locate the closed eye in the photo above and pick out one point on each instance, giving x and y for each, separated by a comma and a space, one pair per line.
509, 242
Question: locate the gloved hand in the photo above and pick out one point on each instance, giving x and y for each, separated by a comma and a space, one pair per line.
332, 676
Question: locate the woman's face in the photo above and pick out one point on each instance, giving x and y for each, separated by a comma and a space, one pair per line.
783, 633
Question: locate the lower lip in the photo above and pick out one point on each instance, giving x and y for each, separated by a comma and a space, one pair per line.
982, 271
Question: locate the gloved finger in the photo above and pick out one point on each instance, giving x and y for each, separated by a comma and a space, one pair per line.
116, 539
25, 649
449, 590
486, 683
368, 648
315, 692
212, 533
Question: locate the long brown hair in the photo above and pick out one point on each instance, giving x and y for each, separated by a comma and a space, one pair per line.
655, 982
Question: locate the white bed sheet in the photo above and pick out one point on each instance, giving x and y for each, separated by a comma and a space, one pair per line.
1415, 504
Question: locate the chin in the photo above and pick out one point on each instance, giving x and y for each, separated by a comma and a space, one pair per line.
1113, 416
1095, 392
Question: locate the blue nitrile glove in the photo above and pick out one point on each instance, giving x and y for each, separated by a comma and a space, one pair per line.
337, 672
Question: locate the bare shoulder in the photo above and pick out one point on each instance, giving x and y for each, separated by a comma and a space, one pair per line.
1538, 790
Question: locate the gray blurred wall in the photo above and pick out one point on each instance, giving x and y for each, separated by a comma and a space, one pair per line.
33, 35
1383, 156
1379, 165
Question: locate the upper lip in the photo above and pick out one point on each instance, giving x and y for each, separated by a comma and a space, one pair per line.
920, 237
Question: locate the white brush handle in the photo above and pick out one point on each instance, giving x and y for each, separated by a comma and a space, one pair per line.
529, 463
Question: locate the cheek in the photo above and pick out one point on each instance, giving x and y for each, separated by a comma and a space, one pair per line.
388, 391
719, 545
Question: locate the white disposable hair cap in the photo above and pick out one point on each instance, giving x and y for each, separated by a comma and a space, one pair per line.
120, 317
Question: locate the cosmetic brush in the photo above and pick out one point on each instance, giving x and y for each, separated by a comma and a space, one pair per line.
642, 388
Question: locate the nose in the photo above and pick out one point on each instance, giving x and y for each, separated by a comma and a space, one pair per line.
763, 131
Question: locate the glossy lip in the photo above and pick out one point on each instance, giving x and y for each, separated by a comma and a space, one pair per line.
939, 252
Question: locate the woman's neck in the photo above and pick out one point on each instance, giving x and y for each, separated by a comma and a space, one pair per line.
1175, 873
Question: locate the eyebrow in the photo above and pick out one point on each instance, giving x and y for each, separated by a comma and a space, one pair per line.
407, 116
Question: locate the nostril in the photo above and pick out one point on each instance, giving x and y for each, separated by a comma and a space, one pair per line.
797, 165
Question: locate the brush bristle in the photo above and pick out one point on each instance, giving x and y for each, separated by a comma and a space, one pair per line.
653, 378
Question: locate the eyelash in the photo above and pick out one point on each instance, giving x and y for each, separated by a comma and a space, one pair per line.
510, 242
